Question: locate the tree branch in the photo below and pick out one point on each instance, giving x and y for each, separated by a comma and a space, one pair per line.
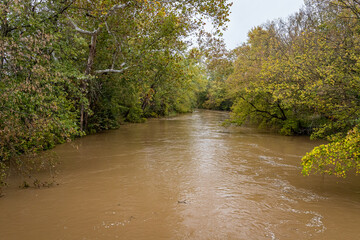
118, 46
82, 30
263, 111
111, 70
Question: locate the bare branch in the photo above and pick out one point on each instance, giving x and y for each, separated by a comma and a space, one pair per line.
82, 30
111, 70
54, 56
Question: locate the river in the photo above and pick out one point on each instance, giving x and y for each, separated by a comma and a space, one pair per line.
184, 177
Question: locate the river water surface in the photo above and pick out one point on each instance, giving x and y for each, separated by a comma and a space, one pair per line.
184, 178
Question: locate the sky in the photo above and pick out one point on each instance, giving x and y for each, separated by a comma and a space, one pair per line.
247, 14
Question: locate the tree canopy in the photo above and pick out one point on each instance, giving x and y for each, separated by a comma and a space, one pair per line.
72, 67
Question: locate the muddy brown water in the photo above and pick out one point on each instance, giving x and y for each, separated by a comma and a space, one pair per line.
184, 178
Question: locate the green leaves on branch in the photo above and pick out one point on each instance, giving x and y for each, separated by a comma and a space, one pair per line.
302, 76
336, 158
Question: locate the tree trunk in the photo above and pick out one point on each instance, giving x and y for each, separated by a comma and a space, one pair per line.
4, 33
88, 70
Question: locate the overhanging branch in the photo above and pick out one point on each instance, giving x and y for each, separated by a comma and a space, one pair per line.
111, 70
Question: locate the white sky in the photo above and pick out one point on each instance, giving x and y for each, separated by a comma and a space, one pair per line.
247, 14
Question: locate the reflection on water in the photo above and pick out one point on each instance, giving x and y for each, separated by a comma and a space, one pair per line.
184, 178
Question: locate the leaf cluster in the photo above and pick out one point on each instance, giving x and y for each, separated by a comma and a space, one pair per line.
301, 76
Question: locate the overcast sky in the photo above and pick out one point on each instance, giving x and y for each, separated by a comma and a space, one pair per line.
247, 14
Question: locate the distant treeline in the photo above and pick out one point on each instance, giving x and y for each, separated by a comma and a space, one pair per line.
300, 76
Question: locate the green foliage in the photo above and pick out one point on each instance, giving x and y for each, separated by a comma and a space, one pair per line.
140, 65
302, 76
75, 67
338, 158
219, 65
38, 96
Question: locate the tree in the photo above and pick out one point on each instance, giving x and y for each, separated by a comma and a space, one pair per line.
219, 65
302, 76
76, 66
36, 110
104, 15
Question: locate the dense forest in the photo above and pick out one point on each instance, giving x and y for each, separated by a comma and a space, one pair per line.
75, 67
